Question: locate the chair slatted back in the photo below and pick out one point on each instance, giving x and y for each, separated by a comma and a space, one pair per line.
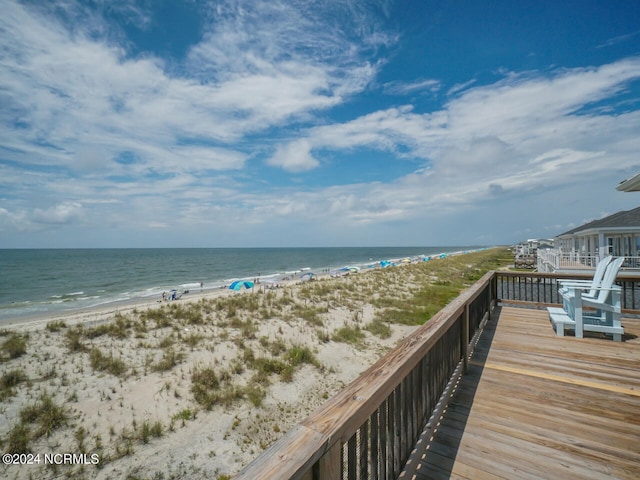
599, 274
609, 277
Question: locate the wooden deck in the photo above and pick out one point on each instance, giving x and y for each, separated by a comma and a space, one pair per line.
534, 405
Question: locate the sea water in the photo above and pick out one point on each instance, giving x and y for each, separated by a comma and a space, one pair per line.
36, 282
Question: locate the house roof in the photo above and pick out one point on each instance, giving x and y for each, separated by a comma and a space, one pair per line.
630, 184
623, 219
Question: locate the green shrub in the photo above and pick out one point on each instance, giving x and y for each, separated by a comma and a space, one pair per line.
107, 363
9, 380
351, 335
170, 359
148, 430
310, 314
56, 326
18, 439
204, 386
379, 328
159, 315
193, 339
255, 393
298, 355
15, 346
268, 366
74, 339
46, 414
184, 415
119, 328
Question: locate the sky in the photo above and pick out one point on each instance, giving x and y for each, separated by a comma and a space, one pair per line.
280, 123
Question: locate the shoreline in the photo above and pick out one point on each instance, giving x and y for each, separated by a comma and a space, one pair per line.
126, 379
113, 306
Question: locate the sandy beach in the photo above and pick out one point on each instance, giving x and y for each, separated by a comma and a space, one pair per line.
198, 387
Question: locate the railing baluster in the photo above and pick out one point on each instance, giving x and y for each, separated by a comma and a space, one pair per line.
363, 453
397, 423
374, 446
384, 436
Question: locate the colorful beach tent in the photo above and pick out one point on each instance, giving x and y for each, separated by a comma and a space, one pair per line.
239, 284
350, 269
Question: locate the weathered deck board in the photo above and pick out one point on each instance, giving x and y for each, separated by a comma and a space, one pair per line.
534, 405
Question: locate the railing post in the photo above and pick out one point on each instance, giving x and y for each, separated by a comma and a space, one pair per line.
329, 467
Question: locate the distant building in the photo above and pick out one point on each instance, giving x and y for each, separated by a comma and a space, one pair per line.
524, 253
584, 246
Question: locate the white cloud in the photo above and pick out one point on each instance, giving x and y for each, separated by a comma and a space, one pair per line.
458, 87
74, 98
408, 88
91, 135
294, 157
518, 135
59, 214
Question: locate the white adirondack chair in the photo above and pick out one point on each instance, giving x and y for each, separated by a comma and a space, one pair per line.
589, 287
566, 285
606, 302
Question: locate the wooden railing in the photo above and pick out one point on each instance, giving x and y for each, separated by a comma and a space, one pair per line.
551, 260
369, 429
541, 289
566, 260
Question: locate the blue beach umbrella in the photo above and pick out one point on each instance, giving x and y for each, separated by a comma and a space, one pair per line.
350, 269
237, 285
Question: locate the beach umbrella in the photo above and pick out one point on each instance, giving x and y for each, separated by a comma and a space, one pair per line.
350, 269
237, 285
308, 276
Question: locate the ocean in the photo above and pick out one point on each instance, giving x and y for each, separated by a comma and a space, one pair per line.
42, 281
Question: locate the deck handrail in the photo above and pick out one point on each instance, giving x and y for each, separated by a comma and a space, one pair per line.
553, 260
369, 428
541, 289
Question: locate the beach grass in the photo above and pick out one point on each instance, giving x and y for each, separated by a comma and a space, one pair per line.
9, 381
15, 345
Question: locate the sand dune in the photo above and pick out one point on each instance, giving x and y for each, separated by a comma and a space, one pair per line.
196, 387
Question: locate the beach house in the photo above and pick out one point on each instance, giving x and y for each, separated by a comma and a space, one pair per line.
583, 247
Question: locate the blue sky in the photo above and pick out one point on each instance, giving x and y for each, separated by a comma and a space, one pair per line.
314, 123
